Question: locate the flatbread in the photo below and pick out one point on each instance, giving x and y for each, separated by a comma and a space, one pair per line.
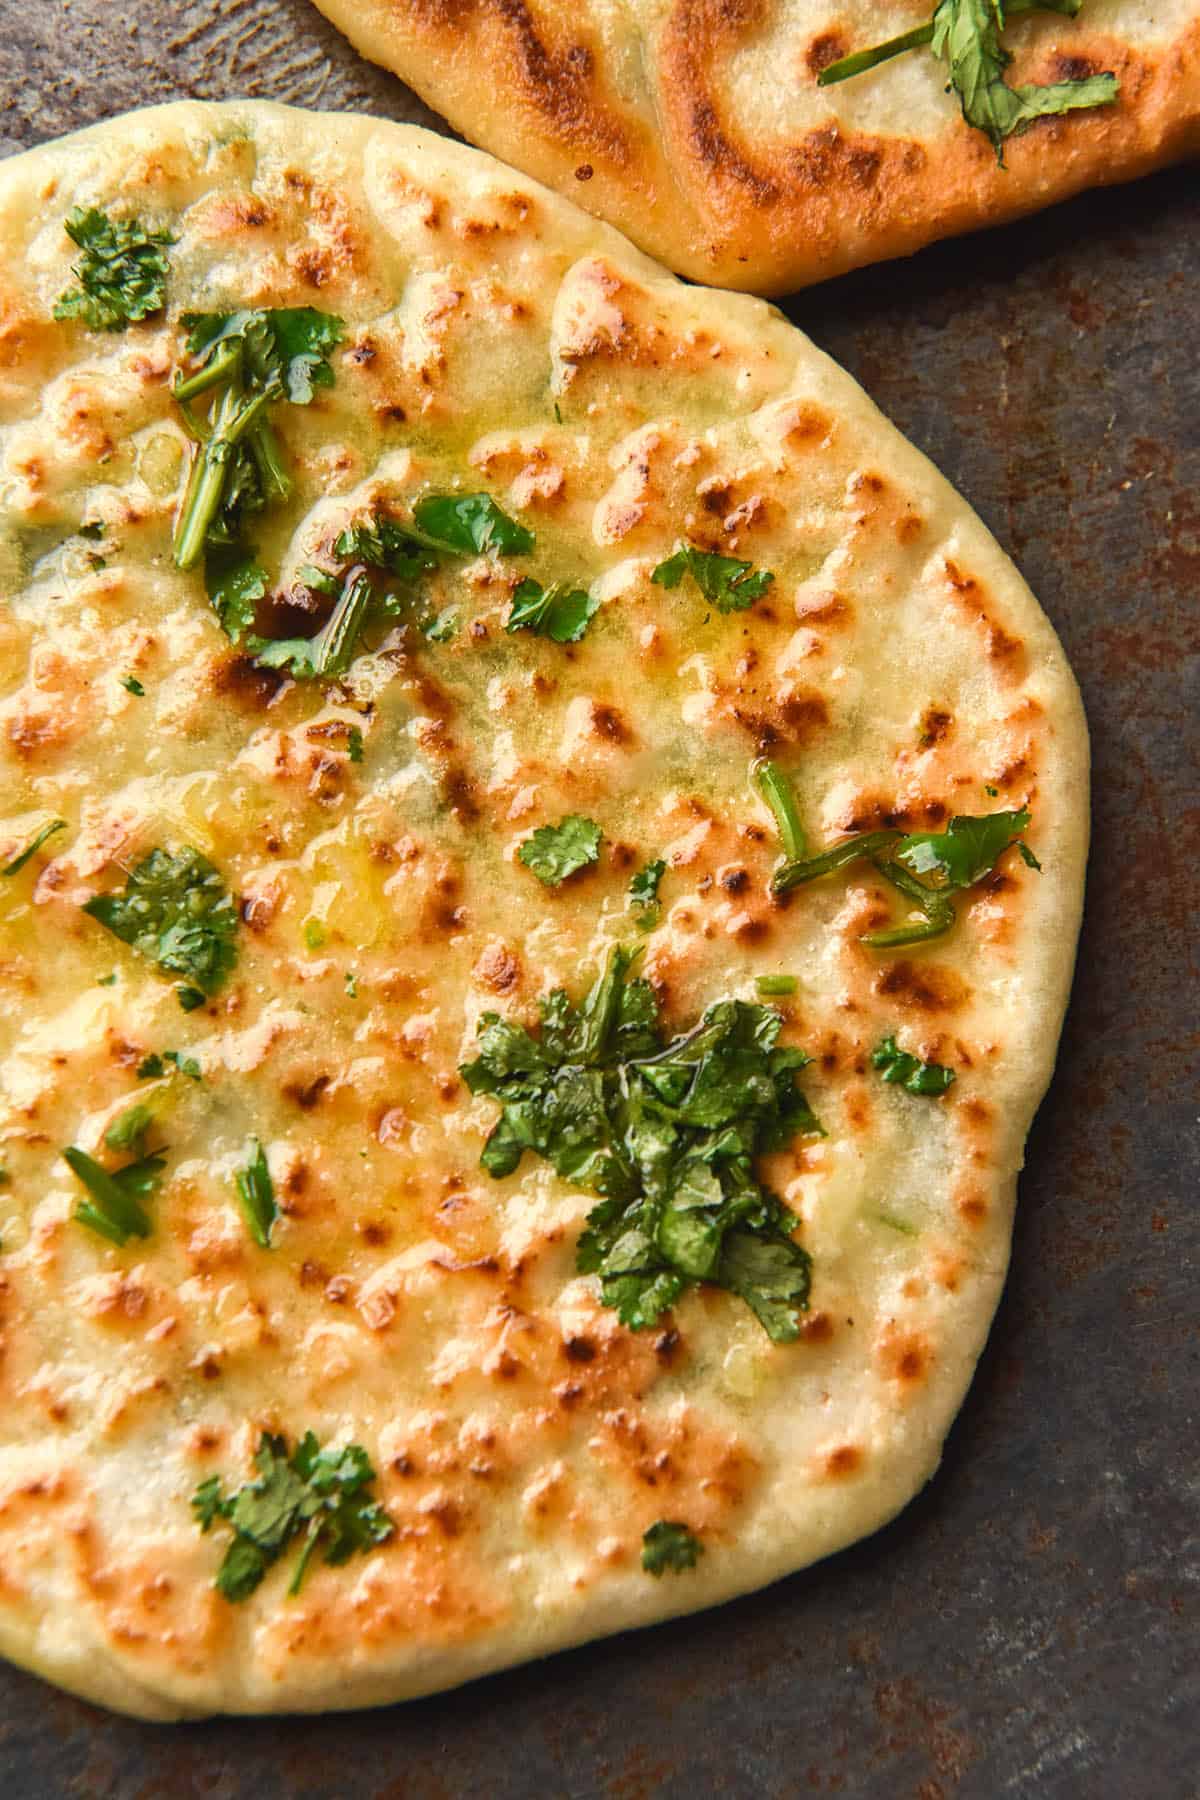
374, 830
698, 126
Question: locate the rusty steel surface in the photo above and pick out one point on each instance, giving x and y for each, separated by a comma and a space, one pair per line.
1028, 1627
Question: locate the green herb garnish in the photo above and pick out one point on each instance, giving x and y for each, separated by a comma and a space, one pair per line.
772, 986
122, 273
128, 1131
555, 851
643, 893
132, 685
354, 744
177, 912
321, 1494
332, 650
776, 790
16, 863
115, 1209
155, 1065
235, 583
556, 612
902, 1070
668, 1545
926, 867
728, 583
667, 1132
965, 35
256, 1195
247, 362
470, 523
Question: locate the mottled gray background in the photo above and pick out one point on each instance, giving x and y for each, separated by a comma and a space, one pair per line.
1029, 1626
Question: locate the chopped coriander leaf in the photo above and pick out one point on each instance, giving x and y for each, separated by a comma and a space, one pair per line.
154, 1065
771, 985
94, 529
441, 629
384, 544
990, 791
256, 1195
122, 273
115, 1209
321, 1495
128, 1130
776, 790
133, 686
555, 612
109, 980
643, 887
925, 866
469, 523
963, 854
16, 863
177, 912
352, 984
668, 1545
235, 584
726, 581
554, 852
354, 744
314, 934
666, 1132
897, 1224
902, 1070
965, 35
247, 362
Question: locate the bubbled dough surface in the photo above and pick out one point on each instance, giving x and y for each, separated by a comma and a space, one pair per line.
524, 1440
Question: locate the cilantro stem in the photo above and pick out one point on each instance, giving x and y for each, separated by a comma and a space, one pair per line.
862, 60
223, 367
334, 643
264, 446
937, 908
235, 418
794, 874
310, 1544
776, 790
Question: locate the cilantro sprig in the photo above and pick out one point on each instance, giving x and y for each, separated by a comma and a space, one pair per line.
927, 867
246, 363
554, 852
668, 1545
965, 35
176, 911
730, 584
376, 562
320, 1495
901, 1069
667, 1132
122, 273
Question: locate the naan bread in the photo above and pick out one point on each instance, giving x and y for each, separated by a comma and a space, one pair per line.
698, 126
495, 340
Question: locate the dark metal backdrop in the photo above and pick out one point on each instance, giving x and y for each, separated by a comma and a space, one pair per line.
1029, 1626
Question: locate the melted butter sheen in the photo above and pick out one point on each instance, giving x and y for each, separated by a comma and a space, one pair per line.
496, 341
